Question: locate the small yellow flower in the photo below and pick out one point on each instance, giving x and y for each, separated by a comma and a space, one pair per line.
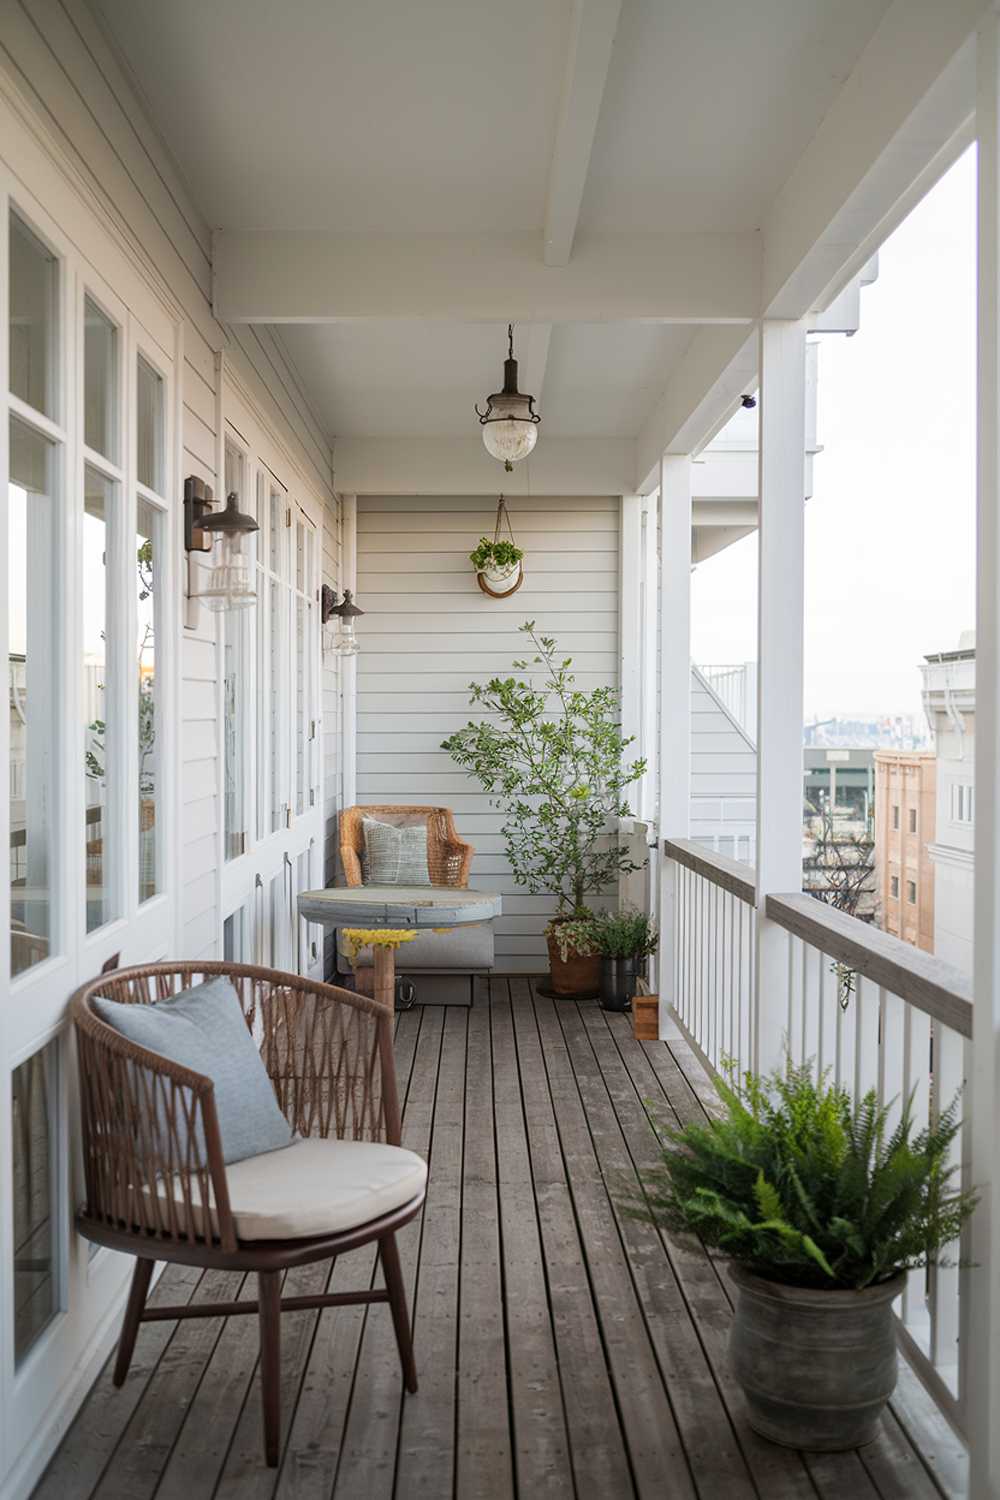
356, 938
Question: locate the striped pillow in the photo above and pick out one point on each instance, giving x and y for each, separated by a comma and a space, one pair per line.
395, 856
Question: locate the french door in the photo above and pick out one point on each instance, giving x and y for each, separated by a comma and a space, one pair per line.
90, 540
272, 813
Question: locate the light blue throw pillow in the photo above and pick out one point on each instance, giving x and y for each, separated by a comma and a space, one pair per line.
395, 855
203, 1029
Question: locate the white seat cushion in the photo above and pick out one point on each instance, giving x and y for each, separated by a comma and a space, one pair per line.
320, 1187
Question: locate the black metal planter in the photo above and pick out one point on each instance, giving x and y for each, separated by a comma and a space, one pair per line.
618, 981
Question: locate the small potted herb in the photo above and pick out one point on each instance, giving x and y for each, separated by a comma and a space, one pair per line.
822, 1206
625, 941
497, 560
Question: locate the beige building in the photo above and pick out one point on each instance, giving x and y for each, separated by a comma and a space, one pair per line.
905, 819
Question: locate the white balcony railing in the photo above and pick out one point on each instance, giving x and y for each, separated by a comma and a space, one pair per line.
874, 1011
736, 685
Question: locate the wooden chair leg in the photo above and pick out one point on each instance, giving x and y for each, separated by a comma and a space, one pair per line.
269, 1319
141, 1275
397, 1301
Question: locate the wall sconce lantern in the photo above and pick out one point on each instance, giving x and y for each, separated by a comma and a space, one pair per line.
229, 584
346, 612
510, 422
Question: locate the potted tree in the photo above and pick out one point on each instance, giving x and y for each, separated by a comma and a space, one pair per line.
624, 941
553, 759
822, 1208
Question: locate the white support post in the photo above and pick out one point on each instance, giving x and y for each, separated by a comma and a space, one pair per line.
980, 1351
675, 694
348, 664
780, 540
650, 658
630, 633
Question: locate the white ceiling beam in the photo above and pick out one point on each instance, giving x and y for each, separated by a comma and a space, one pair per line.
592, 33
900, 119
306, 277
722, 512
461, 466
531, 345
717, 367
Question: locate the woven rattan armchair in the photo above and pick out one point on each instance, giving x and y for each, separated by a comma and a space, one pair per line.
156, 1184
449, 858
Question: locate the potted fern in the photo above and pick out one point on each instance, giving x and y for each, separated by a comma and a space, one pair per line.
552, 758
822, 1206
625, 941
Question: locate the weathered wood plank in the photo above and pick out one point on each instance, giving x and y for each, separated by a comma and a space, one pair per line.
540, 1438
625, 1141
597, 1446
104, 1416
595, 1172
310, 1461
777, 1472
426, 1461
367, 1462
483, 1467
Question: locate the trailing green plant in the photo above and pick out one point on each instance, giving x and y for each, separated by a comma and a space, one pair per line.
574, 937
494, 554
801, 1186
553, 759
626, 934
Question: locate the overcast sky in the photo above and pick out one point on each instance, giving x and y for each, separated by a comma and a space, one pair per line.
890, 529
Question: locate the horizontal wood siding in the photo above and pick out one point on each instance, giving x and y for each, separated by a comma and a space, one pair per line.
429, 631
723, 775
56, 57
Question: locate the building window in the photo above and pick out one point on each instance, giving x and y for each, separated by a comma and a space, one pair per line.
962, 803
911, 892
895, 815
894, 886
913, 820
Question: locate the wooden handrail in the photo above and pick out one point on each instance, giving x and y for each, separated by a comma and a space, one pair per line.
919, 978
728, 873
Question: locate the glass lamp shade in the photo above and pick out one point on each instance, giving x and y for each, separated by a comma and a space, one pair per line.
347, 640
510, 434
229, 583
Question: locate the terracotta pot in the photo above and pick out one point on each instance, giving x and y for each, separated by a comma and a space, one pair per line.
817, 1367
573, 976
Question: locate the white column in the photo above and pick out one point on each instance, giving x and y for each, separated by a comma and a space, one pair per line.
650, 657
348, 664
630, 632
780, 538
980, 1362
675, 693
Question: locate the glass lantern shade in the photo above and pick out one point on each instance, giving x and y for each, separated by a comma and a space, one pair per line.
511, 433
347, 638
229, 584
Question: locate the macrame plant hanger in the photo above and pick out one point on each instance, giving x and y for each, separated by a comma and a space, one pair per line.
503, 520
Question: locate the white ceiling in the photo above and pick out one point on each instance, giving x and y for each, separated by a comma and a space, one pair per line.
419, 116
404, 379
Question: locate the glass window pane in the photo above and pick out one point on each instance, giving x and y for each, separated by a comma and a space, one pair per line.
235, 688
149, 529
100, 381
232, 938
263, 714
34, 1099
33, 687
149, 427
99, 506
33, 318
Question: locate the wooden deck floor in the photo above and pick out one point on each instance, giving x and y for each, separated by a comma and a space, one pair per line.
564, 1349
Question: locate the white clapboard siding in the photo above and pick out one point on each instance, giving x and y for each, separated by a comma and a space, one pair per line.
723, 775
429, 631
56, 56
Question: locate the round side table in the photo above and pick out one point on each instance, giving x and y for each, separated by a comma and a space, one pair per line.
395, 906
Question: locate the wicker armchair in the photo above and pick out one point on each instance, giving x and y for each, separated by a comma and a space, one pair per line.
156, 1183
449, 858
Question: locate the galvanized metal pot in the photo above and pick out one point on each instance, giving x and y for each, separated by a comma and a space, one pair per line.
618, 977
817, 1367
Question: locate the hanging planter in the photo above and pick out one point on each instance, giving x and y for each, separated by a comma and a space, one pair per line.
499, 563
